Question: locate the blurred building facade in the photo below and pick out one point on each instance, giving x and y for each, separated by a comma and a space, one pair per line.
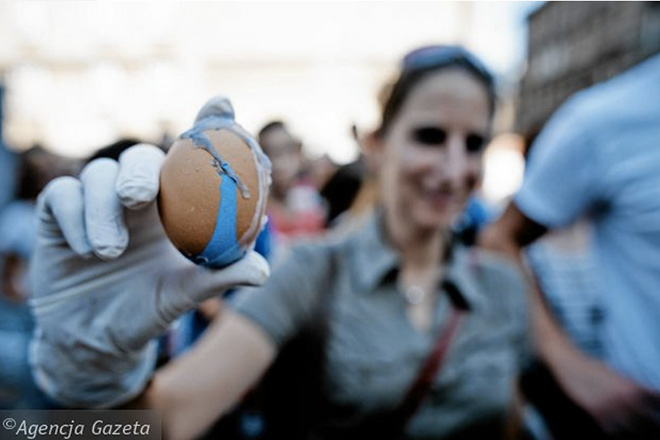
573, 45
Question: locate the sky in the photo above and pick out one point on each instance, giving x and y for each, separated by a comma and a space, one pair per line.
80, 74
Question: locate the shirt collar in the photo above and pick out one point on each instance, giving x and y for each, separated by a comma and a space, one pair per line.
464, 271
374, 259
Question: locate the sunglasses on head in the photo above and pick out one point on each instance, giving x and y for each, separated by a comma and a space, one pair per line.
438, 56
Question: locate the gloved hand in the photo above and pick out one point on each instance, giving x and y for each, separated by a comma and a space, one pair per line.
100, 298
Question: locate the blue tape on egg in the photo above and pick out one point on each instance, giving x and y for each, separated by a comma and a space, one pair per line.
223, 248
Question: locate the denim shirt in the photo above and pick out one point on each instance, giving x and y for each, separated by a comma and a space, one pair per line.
373, 352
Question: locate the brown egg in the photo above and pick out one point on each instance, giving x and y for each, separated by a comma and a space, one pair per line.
190, 203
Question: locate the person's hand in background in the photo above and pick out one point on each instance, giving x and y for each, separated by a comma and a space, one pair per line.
619, 407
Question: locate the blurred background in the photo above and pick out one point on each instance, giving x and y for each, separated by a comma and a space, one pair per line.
80, 73
78, 76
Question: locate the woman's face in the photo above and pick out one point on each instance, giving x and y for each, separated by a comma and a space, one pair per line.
431, 153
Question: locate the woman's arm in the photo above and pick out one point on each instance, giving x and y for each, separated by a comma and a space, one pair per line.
207, 381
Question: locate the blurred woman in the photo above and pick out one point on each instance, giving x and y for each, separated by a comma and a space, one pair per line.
421, 338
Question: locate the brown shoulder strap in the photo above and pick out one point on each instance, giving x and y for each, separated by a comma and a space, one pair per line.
428, 371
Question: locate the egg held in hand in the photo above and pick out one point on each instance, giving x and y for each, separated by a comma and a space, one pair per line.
213, 188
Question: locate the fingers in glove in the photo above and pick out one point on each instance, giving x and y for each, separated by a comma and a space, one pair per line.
61, 205
195, 283
251, 270
104, 217
217, 106
139, 172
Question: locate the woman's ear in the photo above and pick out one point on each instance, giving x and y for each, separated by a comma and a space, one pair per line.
373, 149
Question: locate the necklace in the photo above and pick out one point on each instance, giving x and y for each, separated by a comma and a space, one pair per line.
413, 294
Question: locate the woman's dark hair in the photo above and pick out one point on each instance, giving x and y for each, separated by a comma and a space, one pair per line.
421, 62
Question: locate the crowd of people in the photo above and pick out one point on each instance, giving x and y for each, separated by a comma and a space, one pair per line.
392, 305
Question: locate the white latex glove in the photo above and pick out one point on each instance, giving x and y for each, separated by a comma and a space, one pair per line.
100, 298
